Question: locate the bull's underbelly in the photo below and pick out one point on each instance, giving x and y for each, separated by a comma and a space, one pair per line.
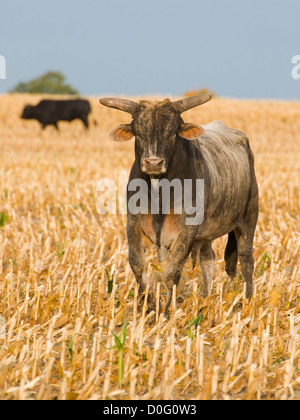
215, 229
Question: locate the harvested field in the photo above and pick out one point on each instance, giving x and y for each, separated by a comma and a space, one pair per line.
69, 323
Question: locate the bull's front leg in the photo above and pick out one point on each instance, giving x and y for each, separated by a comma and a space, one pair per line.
136, 256
177, 259
136, 251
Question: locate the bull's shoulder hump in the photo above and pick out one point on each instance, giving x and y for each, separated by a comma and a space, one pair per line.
219, 127
218, 131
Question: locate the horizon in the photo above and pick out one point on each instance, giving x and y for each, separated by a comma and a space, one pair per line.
107, 49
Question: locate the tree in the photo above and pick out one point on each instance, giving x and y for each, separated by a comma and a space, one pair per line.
52, 82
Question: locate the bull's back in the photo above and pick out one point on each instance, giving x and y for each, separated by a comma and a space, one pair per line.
55, 110
227, 178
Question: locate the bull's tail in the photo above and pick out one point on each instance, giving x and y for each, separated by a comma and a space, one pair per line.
231, 255
195, 257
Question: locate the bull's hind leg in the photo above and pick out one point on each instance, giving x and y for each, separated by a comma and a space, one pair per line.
245, 233
245, 251
231, 254
207, 263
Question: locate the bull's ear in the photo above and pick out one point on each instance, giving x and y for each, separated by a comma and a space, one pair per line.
190, 131
122, 133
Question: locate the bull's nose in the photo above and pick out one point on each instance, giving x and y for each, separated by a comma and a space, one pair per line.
154, 166
154, 162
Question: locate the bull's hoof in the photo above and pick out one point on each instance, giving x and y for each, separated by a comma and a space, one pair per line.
167, 314
231, 273
249, 291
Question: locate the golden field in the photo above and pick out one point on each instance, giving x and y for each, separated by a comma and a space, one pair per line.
65, 277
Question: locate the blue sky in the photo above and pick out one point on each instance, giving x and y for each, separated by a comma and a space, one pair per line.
236, 48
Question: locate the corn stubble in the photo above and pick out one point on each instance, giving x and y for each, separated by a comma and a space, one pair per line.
67, 294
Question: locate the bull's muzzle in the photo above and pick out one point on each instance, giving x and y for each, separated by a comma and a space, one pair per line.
154, 166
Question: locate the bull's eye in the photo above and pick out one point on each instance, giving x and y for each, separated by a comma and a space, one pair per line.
140, 108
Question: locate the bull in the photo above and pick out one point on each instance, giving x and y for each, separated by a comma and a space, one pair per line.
49, 112
168, 148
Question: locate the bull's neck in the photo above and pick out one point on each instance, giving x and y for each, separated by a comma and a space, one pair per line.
185, 162
186, 155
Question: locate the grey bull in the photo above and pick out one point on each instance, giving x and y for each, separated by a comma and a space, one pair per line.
168, 148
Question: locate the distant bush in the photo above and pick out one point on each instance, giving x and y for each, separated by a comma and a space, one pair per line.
52, 83
202, 91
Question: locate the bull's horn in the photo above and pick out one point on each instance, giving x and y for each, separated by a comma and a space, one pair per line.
188, 103
121, 104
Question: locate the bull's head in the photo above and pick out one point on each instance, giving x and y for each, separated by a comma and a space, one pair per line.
27, 112
156, 126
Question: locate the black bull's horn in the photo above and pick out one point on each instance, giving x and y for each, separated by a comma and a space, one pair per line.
182, 105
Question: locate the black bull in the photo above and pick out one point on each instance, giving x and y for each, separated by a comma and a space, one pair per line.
168, 148
49, 112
